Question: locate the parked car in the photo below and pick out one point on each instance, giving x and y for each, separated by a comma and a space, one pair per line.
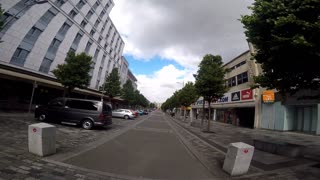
135, 113
87, 113
123, 113
140, 112
145, 112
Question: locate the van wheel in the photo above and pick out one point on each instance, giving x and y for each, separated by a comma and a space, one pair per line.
42, 117
126, 117
87, 124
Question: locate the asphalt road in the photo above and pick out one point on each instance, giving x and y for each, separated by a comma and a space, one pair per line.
151, 149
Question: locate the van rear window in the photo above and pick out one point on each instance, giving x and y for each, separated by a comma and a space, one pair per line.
106, 107
85, 105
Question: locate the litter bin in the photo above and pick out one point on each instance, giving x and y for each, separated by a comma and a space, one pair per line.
42, 139
238, 158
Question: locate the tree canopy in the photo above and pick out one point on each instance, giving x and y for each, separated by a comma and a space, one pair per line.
183, 97
111, 86
128, 92
210, 83
74, 72
286, 35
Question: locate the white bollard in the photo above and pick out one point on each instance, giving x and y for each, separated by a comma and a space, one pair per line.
238, 158
42, 139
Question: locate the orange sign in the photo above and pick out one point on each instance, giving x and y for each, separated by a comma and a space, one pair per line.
268, 96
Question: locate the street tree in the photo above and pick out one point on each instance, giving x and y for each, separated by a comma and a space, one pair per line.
187, 96
128, 92
286, 36
74, 73
210, 83
112, 86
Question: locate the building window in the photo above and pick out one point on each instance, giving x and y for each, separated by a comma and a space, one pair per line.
73, 13
80, 4
105, 46
76, 41
99, 40
59, 3
83, 23
92, 32
32, 35
103, 60
45, 65
95, 5
77, 38
46, 18
232, 82
88, 46
242, 78
96, 23
107, 5
103, 12
90, 13
96, 55
54, 46
19, 57
63, 30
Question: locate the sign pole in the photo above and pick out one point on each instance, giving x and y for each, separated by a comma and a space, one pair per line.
33, 88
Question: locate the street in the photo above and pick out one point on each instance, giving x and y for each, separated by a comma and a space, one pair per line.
154, 146
151, 149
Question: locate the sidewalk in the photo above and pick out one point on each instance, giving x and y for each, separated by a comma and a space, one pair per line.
17, 163
222, 135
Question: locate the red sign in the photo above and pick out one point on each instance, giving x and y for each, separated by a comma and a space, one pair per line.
34, 130
246, 94
246, 151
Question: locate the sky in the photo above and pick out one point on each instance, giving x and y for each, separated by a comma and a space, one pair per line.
165, 40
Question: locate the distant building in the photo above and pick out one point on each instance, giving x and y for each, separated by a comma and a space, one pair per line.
133, 79
37, 35
239, 106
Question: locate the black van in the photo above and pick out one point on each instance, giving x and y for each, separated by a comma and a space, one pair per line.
87, 113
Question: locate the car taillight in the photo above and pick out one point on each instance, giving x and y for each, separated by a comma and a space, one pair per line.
102, 116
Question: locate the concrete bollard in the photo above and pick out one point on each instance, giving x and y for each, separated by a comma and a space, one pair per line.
238, 158
42, 139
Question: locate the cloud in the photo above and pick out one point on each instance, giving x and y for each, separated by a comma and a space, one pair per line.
181, 30
163, 83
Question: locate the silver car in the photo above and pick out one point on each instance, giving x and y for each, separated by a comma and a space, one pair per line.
123, 113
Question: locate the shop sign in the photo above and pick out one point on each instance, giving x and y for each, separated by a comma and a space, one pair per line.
235, 96
268, 96
246, 94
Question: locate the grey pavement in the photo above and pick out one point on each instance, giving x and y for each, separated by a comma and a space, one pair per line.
153, 146
149, 150
263, 164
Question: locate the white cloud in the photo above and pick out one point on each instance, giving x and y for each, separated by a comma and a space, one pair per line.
182, 31
163, 83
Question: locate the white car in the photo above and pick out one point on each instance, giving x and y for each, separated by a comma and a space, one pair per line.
123, 113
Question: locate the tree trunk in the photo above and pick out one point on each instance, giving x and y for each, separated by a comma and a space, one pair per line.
202, 112
208, 127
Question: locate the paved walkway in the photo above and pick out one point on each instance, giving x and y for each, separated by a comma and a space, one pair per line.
263, 163
209, 148
17, 163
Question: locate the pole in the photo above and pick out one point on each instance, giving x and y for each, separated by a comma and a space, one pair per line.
33, 88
